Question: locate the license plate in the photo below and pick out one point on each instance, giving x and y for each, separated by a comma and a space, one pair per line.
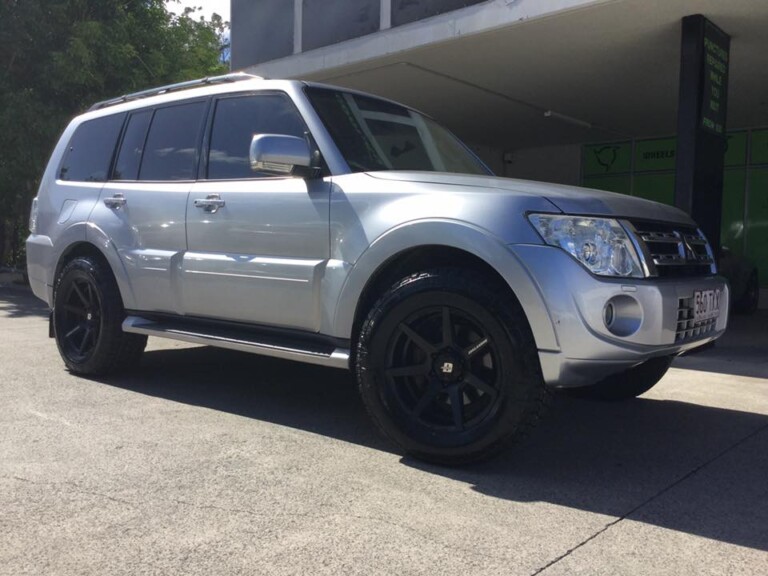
706, 304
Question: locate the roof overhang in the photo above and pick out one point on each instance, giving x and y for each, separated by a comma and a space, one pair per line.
508, 75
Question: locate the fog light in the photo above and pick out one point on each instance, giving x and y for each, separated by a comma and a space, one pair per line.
622, 315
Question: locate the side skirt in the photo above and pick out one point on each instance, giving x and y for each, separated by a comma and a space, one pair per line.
250, 339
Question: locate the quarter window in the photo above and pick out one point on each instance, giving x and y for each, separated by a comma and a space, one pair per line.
171, 149
237, 120
90, 150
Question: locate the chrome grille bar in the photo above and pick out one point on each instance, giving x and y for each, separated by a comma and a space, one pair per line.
672, 249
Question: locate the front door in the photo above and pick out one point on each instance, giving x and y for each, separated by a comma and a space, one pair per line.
257, 245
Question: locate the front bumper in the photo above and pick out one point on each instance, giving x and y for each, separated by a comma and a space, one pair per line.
587, 350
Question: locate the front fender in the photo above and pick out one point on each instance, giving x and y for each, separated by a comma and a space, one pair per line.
453, 234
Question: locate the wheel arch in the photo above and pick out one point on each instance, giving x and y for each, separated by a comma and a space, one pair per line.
111, 261
434, 244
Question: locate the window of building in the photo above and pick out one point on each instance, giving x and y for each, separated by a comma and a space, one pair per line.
90, 150
407, 11
172, 143
237, 120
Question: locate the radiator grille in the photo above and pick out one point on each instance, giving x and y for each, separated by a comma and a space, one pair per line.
674, 251
687, 327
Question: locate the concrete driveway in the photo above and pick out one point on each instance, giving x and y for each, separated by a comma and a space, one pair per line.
211, 462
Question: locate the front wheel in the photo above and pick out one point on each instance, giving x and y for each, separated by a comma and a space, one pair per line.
447, 367
87, 320
628, 384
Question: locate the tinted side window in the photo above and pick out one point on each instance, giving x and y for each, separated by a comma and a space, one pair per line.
235, 123
171, 149
129, 157
90, 150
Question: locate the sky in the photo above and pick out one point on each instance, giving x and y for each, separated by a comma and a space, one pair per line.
221, 7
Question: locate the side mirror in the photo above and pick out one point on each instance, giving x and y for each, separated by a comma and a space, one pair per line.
279, 154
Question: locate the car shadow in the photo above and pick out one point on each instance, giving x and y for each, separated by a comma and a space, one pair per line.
19, 302
606, 458
741, 351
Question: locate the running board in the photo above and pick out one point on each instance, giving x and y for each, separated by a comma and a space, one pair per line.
244, 341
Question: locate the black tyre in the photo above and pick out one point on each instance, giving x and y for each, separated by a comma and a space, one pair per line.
749, 301
87, 320
448, 368
628, 384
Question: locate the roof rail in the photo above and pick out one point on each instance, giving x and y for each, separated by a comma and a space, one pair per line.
234, 77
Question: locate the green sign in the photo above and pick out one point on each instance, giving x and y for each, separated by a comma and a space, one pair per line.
656, 187
604, 159
757, 222
736, 149
759, 147
716, 58
653, 155
732, 222
620, 184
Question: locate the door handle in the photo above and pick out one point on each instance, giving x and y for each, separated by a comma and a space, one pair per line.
210, 204
117, 201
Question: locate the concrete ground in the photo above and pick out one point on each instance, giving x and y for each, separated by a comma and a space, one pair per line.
212, 462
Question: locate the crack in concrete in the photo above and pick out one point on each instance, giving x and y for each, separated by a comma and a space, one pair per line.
658, 494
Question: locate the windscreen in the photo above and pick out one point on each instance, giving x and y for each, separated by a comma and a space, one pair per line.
375, 134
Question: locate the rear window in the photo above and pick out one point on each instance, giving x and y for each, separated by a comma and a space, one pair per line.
171, 149
90, 151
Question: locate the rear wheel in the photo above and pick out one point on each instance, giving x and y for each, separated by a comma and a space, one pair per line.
448, 368
87, 320
628, 384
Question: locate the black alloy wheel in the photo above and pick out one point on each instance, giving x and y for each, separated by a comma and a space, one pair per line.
79, 319
448, 368
87, 320
443, 370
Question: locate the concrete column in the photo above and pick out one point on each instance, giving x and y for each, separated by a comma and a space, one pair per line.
385, 16
298, 23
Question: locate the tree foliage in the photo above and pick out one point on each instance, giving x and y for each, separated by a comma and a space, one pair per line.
57, 57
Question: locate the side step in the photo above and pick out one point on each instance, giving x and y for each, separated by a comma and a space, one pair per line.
242, 340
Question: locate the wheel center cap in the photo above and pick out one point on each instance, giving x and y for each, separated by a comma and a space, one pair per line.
447, 366
89, 316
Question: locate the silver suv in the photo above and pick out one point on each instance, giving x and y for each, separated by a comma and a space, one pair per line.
323, 225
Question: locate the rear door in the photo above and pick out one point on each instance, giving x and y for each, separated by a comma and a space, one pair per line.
142, 209
259, 256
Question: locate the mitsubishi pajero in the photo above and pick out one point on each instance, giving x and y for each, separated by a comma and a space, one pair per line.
328, 226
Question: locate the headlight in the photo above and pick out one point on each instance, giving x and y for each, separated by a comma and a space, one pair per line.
600, 244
